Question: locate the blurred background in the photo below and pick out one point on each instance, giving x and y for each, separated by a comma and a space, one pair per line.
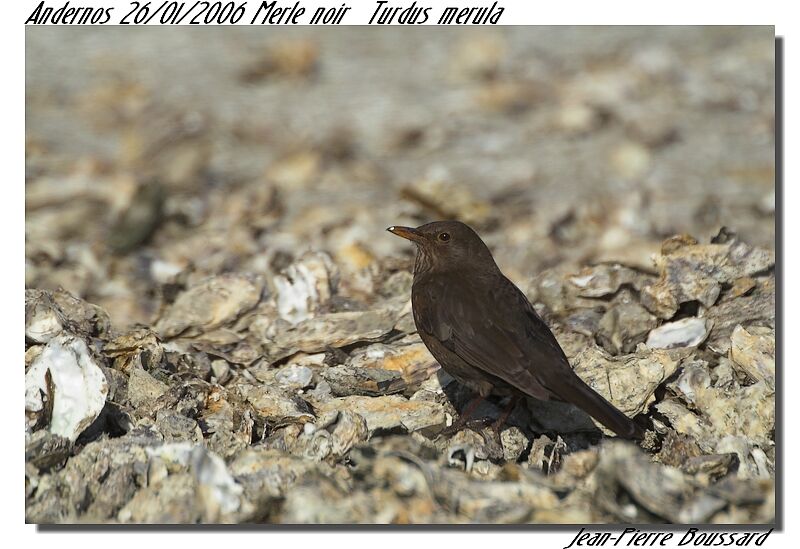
158, 156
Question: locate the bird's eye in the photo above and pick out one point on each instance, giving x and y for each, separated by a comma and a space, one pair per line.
444, 237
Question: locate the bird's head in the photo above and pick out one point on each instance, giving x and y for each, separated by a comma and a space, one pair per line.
446, 245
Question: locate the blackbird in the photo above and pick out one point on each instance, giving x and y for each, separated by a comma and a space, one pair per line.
483, 330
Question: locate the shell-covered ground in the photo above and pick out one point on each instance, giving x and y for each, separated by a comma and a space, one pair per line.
218, 328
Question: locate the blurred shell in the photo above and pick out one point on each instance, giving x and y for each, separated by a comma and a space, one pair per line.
285, 58
623, 467
448, 200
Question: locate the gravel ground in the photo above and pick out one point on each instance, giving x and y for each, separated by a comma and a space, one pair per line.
218, 327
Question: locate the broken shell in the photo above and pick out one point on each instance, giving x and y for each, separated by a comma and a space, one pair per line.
514, 443
742, 286
627, 381
43, 449
348, 430
331, 330
294, 376
43, 319
305, 286
719, 411
687, 332
140, 348
716, 263
754, 351
413, 360
623, 465
210, 304
221, 370
347, 380
277, 407
65, 374
603, 280
47, 313
758, 307
624, 326
392, 412
144, 389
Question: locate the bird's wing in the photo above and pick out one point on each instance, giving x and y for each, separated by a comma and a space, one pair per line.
493, 327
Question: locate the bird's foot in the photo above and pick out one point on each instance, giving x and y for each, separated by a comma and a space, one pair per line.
553, 461
447, 432
478, 424
498, 425
462, 423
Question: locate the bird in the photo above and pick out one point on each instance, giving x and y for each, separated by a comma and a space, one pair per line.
485, 333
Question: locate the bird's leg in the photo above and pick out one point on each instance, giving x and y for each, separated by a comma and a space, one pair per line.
501, 421
494, 428
463, 416
469, 408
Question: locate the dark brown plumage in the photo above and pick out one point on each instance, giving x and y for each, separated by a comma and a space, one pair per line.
483, 330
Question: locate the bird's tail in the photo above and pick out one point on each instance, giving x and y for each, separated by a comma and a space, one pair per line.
591, 402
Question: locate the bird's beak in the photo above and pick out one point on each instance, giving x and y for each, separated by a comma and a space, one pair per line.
407, 233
